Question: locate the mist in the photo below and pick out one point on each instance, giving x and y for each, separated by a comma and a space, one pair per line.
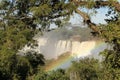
73, 39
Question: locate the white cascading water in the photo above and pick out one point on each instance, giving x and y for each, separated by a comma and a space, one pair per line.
53, 44
53, 49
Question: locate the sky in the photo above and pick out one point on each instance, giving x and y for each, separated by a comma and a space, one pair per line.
97, 18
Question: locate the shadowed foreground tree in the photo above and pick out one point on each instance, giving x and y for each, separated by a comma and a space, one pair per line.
35, 59
86, 69
59, 74
92, 69
20, 20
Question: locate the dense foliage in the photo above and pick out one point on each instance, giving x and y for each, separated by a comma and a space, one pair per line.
20, 20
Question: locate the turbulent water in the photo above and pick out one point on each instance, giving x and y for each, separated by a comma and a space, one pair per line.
53, 49
76, 41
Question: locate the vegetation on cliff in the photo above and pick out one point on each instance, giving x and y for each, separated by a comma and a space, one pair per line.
20, 20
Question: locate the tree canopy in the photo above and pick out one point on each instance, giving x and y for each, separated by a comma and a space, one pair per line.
20, 20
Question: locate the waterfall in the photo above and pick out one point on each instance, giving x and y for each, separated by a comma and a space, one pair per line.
52, 49
54, 43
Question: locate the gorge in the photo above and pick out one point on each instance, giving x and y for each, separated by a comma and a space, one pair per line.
76, 41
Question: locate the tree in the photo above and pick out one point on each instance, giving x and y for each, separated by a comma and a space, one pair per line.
22, 69
59, 74
20, 20
85, 69
35, 59
111, 34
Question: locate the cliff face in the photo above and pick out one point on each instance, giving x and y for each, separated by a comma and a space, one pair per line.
77, 41
54, 49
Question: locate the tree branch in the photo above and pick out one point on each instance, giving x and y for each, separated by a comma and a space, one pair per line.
98, 4
88, 21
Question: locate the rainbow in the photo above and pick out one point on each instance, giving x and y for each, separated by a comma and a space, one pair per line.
57, 63
67, 57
